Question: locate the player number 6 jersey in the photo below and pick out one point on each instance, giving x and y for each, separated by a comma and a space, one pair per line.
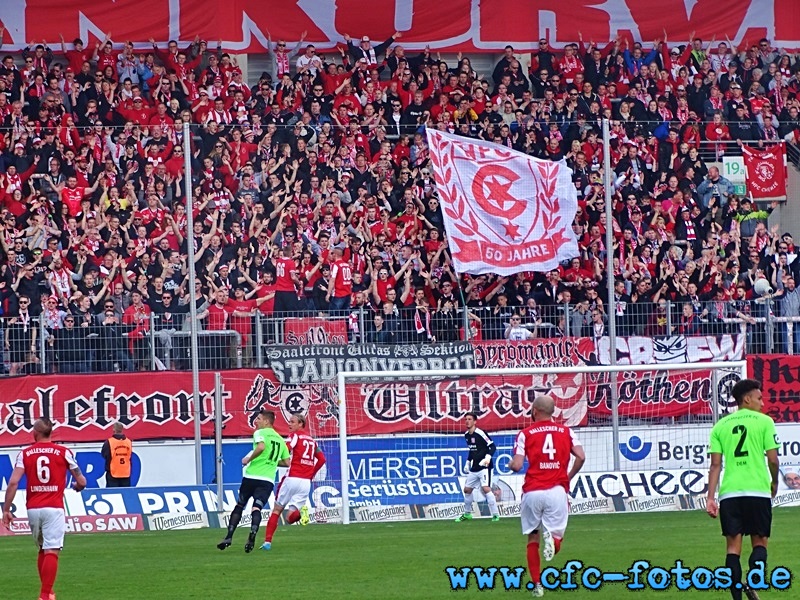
46, 468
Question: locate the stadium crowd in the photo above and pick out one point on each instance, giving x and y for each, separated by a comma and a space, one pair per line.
313, 192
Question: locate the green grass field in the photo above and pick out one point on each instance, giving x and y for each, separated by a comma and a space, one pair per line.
375, 561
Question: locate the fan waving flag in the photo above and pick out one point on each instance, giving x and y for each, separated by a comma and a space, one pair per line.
504, 211
765, 172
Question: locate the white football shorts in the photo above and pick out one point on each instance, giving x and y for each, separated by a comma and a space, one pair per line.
293, 492
479, 479
48, 527
548, 508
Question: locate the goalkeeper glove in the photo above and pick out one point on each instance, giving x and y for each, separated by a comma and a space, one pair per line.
486, 460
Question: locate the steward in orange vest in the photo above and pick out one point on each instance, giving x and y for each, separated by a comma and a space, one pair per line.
118, 452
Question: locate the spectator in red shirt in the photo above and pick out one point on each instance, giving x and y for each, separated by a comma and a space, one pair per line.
217, 315
340, 286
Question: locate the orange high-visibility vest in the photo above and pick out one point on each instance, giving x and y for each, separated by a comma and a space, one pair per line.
121, 451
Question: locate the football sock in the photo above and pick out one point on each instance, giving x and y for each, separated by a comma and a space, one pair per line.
468, 503
256, 522
759, 553
40, 562
733, 563
49, 570
236, 516
492, 502
533, 562
293, 517
557, 543
272, 525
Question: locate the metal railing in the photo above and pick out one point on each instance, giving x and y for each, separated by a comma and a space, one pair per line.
41, 347
34, 346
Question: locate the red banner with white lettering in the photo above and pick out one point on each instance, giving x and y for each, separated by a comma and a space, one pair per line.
85, 407
155, 406
246, 25
504, 211
779, 375
765, 172
302, 331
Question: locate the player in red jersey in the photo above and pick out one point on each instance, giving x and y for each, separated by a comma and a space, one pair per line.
294, 488
545, 501
46, 465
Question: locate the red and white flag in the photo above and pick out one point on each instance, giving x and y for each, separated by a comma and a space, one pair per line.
765, 172
504, 211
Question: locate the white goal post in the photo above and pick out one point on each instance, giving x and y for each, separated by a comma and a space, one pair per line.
617, 377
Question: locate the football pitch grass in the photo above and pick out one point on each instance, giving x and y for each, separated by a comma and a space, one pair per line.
376, 561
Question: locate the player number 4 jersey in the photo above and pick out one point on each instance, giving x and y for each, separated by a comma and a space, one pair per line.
548, 448
46, 467
304, 450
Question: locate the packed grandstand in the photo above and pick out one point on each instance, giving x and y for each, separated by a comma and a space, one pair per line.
321, 166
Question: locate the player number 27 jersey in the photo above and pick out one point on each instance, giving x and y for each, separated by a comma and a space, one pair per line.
303, 449
548, 448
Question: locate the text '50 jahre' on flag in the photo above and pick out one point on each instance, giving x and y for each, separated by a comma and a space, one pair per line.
504, 211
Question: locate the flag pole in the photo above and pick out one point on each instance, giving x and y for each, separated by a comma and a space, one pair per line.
463, 300
612, 318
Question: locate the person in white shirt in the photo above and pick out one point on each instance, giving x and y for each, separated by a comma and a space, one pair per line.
309, 62
515, 332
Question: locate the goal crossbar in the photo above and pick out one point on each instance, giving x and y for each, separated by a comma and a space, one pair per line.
344, 376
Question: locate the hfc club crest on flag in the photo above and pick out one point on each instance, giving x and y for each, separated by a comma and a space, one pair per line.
504, 211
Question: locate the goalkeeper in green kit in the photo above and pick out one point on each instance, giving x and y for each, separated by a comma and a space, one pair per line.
260, 466
749, 483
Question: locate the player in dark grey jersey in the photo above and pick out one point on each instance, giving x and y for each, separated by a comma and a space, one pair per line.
481, 449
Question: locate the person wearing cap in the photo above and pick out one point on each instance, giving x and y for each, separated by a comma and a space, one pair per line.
673, 60
319, 293
138, 112
741, 125
737, 98
366, 51
730, 76
697, 93
752, 219
216, 88
211, 71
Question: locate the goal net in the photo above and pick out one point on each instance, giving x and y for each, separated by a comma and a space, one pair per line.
395, 442
644, 429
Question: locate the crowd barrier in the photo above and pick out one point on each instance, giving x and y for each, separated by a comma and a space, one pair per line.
95, 346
